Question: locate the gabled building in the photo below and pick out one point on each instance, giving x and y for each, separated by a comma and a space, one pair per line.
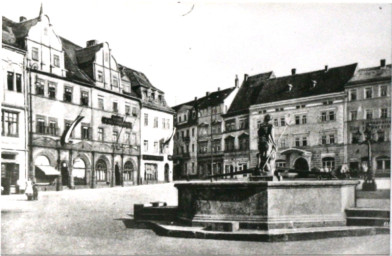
313, 105
85, 110
369, 104
236, 123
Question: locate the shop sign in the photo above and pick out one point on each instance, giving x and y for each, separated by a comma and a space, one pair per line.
152, 157
116, 120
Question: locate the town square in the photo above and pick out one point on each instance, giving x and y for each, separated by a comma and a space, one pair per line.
182, 128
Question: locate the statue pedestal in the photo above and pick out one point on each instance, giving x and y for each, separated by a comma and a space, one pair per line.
264, 205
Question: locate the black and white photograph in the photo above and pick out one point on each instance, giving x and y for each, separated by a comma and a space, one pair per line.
182, 127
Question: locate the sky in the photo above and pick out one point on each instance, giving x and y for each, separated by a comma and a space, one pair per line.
187, 48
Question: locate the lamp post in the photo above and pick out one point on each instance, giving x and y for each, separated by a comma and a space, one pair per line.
369, 183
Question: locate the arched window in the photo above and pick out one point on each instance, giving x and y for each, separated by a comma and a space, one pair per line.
383, 163
101, 170
128, 171
79, 172
329, 162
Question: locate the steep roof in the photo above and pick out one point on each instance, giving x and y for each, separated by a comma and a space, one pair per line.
248, 93
87, 55
214, 98
330, 81
372, 74
14, 32
138, 78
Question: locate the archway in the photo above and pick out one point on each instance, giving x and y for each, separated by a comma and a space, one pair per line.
117, 175
79, 172
301, 164
128, 171
101, 170
166, 172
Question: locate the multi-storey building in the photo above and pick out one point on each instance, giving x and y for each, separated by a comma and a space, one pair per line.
236, 120
185, 140
308, 114
13, 117
156, 130
368, 103
83, 90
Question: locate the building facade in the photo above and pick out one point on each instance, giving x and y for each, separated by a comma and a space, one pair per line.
14, 137
307, 111
368, 105
85, 111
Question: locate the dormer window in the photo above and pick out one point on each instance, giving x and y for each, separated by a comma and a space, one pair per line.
290, 87
314, 83
56, 60
145, 94
34, 53
160, 98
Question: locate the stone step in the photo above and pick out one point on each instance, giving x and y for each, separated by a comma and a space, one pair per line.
267, 235
368, 212
379, 194
368, 221
373, 203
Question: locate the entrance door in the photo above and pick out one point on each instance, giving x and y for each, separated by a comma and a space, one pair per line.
301, 165
117, 174
166, 173
64, 174
9, 177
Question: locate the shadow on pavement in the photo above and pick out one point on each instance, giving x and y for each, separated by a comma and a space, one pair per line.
131, 223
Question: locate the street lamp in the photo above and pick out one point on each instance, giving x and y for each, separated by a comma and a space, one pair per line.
369, 183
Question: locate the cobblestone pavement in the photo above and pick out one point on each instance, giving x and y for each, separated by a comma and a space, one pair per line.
89, 222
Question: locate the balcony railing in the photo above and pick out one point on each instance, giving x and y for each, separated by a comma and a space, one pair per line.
49, 130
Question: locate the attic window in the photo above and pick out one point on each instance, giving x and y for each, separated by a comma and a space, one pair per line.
314, 83
290, 87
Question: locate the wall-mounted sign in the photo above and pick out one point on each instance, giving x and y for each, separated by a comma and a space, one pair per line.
116, 120
152, 157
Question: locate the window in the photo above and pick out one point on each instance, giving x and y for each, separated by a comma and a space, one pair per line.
155, 122
230, 125
68, 94
331, 115
52, 129
179, 119
368, 93
128, 171
193, 147
115, 81
216, 146
369, 114
328, 102
18, 82
163, 123
39, 87
297, 142
216, 128
281, 163
279, 109
383, 91
101, 103
115, 107
304, 119
329, 162
353, 95
229, 144
282, 121
323, 116
10, 81
115, 136
282, 142
244, 124
127, 110
86, 133
276, 122
40, 128
56, 60
160, 98
84, 99
34, 53
297, 120
383, 163
331, 139
52, 90
145, 145
151, 172
244, 143
10, 123
323, 139
145, 119
99, 76
101, 134
101, 170
67, 126
353, 115
156, 147
380, 135
134, 111
384, 113
304, 141
355, 137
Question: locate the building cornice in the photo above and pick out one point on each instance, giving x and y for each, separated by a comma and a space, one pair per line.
297, 100
13, 48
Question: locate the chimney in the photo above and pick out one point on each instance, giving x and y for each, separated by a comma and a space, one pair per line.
195, 98
245, 77
91, 43
293, 71
207, 93
22, 18
382, 63
218, 89
236, 81
326, 68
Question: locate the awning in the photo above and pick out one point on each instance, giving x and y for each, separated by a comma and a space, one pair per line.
48, 170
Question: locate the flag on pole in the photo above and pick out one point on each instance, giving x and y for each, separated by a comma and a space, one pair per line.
67, 133
165, 142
